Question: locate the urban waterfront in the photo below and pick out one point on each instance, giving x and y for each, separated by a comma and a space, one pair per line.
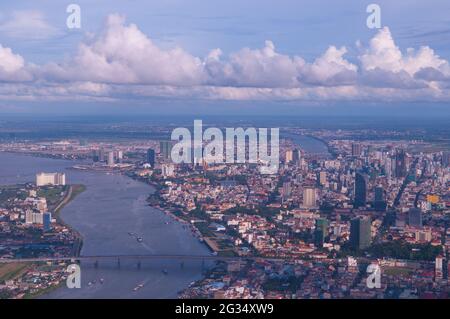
111, 207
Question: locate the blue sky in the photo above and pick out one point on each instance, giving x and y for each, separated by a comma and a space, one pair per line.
295, 52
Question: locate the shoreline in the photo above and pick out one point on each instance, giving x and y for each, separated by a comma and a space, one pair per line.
69, 197
78, 245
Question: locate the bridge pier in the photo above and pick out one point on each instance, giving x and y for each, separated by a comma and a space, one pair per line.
182, 265
118, 262
96, 264
139, 264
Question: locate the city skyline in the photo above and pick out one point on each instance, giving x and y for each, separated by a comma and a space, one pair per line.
244, 150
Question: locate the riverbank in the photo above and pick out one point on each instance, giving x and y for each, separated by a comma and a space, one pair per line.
71, 194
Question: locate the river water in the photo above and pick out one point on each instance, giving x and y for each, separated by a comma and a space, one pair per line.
309, 144
110, 208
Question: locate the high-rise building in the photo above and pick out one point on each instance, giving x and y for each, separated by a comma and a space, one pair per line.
296, 155
111, 159
360, 190
101, 155
321, 231
165, 148
29, 217
47, 221
389, 167
43, 179
151, 157
96, 155
34, 217
415, 217
323, 178
286, 189
356, 149
400, 164
379, 202
360, 232
438, 268
119, 156
309, 197
446, 159
289, 156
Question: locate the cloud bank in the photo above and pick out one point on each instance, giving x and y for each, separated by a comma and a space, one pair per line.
121, 62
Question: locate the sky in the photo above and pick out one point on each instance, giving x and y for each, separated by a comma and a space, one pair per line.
200, 56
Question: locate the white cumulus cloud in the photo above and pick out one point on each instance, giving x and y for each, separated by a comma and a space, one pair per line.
122, 62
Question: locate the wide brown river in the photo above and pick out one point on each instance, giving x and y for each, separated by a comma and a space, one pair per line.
110, 208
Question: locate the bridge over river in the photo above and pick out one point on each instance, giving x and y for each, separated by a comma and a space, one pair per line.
142, 258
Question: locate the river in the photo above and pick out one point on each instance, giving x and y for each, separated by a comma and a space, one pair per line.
309, 144
110, 208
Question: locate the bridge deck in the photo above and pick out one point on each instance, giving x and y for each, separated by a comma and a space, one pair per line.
141, 257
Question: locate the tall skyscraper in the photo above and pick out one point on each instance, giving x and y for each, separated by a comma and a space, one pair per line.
446, 159
151, 157
438, 268
286, 189
47, 221
321, 231
360, 232
415, 217
119, 156
356, 149
360, 190
289, 156
322, 178
296, 156
165, 148
309, 197
380, 202
96, 155
400, 164
111, 158
101, 155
